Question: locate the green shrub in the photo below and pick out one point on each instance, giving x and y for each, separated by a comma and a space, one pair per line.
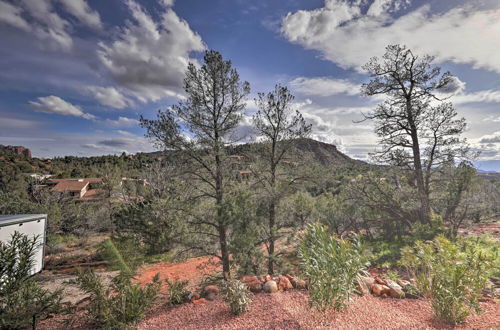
119, 306
453, 276
332, 265
22, 301
237, 295
177, 292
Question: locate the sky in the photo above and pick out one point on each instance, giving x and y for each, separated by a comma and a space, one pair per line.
75, 75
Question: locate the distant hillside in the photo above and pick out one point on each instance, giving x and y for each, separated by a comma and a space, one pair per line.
323, 153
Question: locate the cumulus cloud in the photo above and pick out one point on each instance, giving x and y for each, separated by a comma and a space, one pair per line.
122, 122
110, 96
324, 86
150, 57
55, 104
81, 10
347, 36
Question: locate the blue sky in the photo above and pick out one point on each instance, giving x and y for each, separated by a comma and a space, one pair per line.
76, 74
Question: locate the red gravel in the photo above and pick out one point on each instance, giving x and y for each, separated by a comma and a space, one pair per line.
288, 310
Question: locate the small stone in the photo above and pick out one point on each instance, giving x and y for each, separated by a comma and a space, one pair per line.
210, 296
270, 287
199, 301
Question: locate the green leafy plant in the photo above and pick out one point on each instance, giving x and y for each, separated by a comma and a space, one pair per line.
177, 291
332, 265
453, 276
119, 306
22, 301
237, 295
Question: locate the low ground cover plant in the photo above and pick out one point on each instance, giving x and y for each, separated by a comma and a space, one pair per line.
452, 275
177, 292
237, 295
332, 265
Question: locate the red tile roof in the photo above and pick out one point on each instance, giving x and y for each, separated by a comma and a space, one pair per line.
70, 185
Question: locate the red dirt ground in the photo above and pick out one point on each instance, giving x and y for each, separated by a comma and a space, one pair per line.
192, 270
289, 310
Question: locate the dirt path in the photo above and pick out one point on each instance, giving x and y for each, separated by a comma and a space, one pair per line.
289, 310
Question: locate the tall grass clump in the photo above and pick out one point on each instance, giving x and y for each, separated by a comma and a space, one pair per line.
332, 265
451, 275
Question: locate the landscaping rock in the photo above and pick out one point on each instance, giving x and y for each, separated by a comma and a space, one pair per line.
403, 283
368, 280
210, 292
249, 279
300, 284
270, 287
379, 280
362, 288
292, 280
379, 289
255, 287
396, 292
284, 283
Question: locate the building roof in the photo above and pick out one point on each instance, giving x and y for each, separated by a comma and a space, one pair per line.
70, 185
6, 220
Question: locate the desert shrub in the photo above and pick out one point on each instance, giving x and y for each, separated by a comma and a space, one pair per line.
237, 295
22, 301
332, 265
453, 276
119, 306
177, 291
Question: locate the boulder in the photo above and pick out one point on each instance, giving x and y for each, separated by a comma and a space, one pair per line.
210, 292
254, 287
379, 289
270, 287
403, 283
284, 283
249, 279
396, 292
300, 284
368, 280
362, 288
380, 281
292, 280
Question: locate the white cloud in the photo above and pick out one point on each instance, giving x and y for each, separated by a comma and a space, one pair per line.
492, 138
125, 133
110, 96
45, 23
324, 86
122, 122
11, 15
150, 57
55, 104
81, 10
486, 96
346, 36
